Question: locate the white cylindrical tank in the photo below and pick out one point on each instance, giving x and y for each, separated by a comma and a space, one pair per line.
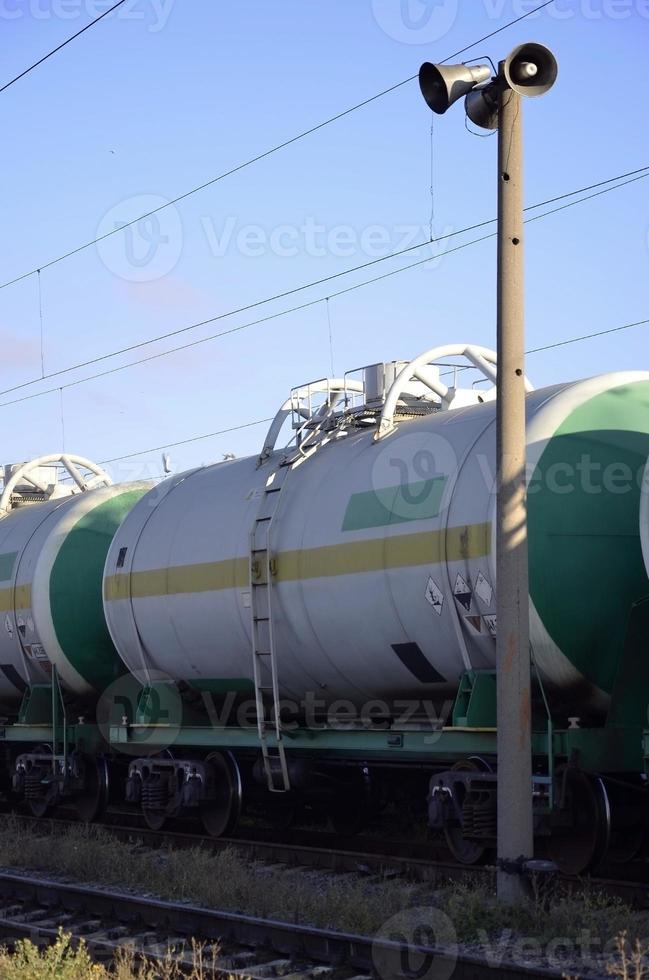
51, 562
384, 555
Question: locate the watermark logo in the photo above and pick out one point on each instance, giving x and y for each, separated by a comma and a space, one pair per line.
149, 700
317, 240
413, 476
426, 21
145, 249
415, 21
419, 942
153, 13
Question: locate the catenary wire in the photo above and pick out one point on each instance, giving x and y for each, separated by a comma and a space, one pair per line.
640, 172
209, 435
302, 306
262, 156
184, 442
59, 48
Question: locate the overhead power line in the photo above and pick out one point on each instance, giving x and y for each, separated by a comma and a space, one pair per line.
61, 46
587, 336
209, 435
259, 156
184, 442
613, 184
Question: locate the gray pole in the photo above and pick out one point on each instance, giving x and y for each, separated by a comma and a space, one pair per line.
515, 830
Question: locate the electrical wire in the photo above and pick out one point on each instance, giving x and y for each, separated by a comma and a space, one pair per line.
614, 181
209, 435
184, 442
60, 46
302, 306
263, 155
587, 336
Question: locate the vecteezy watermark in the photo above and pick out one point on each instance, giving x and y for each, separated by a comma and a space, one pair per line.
415, 21
317, 240
584, 952
418, 942
154, 13
140, 249
149, 699
313, 713
426, 21
583, 475
413, 475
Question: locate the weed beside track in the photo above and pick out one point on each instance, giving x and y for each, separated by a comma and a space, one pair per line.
588, 921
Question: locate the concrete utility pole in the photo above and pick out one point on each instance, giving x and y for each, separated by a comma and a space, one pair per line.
515, 830
495, 103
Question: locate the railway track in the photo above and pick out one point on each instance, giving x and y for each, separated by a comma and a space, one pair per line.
319, 851
329, 852
241, 945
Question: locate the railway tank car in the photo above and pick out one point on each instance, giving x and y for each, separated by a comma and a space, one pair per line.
355, 574
383, 556
316, 625
54, 537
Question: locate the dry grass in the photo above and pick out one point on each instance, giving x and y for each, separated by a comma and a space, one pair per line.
64, 961
222, 880
631, 960
353, 903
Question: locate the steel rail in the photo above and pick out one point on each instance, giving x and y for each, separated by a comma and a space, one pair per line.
362, 953
336, 854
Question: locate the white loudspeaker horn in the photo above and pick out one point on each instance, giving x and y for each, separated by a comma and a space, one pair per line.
442, 85
531, 69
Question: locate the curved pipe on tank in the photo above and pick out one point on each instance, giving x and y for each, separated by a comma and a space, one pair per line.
72, 463
334, 387
483, 358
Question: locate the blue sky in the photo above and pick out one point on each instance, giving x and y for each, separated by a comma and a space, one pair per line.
163, 95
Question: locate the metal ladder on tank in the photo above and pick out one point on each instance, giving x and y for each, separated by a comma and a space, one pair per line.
264, 659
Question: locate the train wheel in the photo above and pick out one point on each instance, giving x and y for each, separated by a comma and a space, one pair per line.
467, 851
629, 806
581, 844
92, 801
220, 815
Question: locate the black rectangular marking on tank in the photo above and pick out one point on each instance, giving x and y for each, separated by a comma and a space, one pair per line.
411, 657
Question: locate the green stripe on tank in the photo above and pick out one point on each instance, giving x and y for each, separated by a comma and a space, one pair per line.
76, 591
585, 557
7, 562
394, 505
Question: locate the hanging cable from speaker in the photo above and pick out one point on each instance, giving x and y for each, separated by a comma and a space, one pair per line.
331, 340
432, 178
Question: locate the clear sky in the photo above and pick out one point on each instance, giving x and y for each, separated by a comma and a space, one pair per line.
163, 95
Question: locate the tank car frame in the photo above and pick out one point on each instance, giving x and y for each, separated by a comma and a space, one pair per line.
590, 790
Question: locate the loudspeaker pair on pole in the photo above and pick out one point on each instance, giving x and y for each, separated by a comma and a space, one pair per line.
530, 69
494, 103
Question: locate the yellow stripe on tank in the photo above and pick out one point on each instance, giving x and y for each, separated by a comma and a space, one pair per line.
350, 558
18, 598
212, 576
